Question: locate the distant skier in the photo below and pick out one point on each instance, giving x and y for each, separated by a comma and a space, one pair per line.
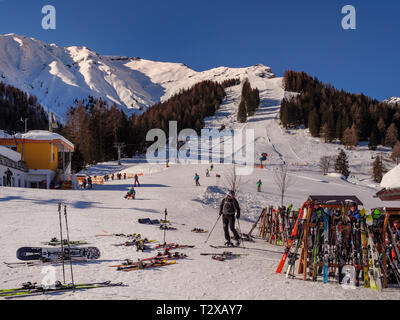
137, 180
197, 178
90, 183
8, 174
211, 167
131, 194
230, 206
207, 173
259, 183
84, 183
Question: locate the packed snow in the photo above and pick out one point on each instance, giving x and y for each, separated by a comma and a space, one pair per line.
29, 217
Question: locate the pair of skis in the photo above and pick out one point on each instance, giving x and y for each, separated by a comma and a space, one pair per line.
29, 289
290, 242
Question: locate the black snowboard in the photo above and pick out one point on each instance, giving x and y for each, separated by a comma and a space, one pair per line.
30, 253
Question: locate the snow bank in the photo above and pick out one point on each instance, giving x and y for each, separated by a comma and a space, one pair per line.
391, 180
337, 175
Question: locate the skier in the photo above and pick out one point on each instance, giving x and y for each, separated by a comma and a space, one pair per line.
137, 180
353, 213
207, 173
229, 206
197, 178
211, 167
318, 209
84, 183
259, 183
8, 174
124, 175
131, 193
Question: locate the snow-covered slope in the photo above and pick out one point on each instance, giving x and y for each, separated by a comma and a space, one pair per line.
29, 217
58, 76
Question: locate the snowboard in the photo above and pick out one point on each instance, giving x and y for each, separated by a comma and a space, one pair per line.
34, 253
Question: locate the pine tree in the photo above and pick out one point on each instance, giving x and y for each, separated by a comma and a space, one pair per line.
377, 169
396, 152
242, 114
372, 145
342, 164
391, 135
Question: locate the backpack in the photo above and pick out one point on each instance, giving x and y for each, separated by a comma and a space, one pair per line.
229, 206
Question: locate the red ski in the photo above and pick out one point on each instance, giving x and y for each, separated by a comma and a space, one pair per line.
291, 239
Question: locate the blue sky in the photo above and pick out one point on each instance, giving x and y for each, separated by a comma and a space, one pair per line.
299, 35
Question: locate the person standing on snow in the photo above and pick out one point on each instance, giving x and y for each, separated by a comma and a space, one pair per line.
197, 178
259, 183
207, 173
137, 180
230, 206
8, 174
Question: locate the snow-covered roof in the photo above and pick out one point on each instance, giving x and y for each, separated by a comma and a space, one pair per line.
10, 154
43, 135
391, 180
4, 135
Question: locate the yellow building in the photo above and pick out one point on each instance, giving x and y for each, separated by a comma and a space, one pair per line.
46, 154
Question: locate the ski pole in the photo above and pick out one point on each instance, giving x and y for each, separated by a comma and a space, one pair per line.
212, 229
61, 239
69, 247
240, 233
165, 220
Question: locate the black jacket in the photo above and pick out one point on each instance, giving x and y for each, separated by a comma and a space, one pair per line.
235, 203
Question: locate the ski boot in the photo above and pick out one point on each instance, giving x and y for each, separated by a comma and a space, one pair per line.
229, 244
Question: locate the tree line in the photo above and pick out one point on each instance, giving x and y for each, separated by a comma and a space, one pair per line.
94, 127
249, 103
16, 105
334, 114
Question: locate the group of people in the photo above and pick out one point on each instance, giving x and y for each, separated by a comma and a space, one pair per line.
87, 183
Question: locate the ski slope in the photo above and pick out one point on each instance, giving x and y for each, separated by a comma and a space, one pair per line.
29, 217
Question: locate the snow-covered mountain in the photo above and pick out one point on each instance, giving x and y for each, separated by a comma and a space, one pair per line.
58, 76
393, 100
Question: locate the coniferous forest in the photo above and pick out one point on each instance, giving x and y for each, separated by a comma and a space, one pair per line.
16, 105
94, 127
329, 112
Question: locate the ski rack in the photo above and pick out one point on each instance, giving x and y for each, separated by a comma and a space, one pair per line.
275, 225
390, 214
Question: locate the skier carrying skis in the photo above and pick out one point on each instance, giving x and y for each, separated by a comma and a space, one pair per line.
259, 183
131, 193
229, 206
197, 178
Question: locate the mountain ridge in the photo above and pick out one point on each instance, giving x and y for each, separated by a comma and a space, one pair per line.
59, 76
